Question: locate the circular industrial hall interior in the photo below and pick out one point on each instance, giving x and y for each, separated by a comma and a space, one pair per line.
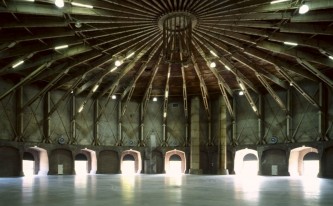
212, 87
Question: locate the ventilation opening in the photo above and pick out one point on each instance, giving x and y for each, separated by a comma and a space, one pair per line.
81, 164
28, 164
174, 105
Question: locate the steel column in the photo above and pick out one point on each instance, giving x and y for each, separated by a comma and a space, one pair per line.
47, 118
19, 115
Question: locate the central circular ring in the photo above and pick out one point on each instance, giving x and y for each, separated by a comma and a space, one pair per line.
177, 21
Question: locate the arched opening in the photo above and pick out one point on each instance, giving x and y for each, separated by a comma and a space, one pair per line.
175, 162
128, 164
81, 164
28, 164
311, 164
246, 162
131, 162
304, 161
175, 166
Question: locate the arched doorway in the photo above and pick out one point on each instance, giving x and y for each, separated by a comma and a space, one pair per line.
131, 162
28, 164
128, 164
246, 162
311, 164
304, 161
81, 164
175, 162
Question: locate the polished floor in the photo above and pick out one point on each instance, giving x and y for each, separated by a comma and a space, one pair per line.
160, 190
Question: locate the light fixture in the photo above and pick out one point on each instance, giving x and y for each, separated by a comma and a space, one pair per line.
155, 99
18, 64
168, 75
242, 86
113, 69
130, 55
59, 3
95, 88
166, 94
212, 64
228, 68
303, 9
290, 43
78, 24
254, 108
331, 57
61, 47
213, 53
114, 97
240, 93
278, 1
118, 62
82, 5
80, 109
164, 114
291, 84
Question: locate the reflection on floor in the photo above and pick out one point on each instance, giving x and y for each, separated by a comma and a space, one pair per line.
163, 190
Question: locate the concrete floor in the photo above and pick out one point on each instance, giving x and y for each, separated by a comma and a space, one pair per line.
163, 190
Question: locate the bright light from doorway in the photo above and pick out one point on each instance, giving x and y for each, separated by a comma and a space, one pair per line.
250, 168
310, 168
175, 168
28, 167
81, 167
128, 167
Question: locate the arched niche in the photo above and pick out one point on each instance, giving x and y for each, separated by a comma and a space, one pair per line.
10, 162
108, 162
274, 162
61, 162
326, 162
41, 160
177, 156
132, 157
298, 159
246, 162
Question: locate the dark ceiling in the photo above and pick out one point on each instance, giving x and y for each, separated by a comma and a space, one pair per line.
246, 36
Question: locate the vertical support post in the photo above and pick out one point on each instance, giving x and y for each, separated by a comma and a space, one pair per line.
261, 120
195, 136
322, 117
223, 137
120, 136
96, 123
289, 117
19, 115
234, 123
141, 137
186, 134
47, 118
73, 120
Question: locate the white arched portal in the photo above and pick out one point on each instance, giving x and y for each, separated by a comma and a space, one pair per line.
131, 162
300, 164
175, 162
246, 162
41, 160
